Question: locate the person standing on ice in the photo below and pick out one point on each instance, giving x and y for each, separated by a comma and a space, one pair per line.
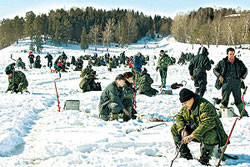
137, 66
17, 80
231, 72
112, 106
31, 59
197, 121
197, 70
163, 62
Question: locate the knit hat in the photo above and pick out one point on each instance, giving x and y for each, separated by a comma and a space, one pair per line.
162, 51
185, 95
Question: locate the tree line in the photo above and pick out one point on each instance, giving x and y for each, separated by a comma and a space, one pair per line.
85, 26
92, 26
212, 26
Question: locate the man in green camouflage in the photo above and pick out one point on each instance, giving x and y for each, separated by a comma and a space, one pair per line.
17, 80
197, 70
163, 62
112, 106
230, 73
197, 121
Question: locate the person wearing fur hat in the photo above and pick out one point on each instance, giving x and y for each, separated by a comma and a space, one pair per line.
197, 121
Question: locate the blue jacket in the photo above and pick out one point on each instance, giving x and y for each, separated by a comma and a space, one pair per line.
137, 61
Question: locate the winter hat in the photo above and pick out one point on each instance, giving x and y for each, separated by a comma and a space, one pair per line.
10, 68
162, 51
185, 95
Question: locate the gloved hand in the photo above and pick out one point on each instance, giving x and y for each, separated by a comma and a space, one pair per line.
192, 78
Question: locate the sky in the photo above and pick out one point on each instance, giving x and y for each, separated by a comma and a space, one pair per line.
168, 8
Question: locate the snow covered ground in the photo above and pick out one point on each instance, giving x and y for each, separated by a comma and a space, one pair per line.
34, 133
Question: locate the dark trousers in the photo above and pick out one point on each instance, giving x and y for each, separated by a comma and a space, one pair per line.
231, 85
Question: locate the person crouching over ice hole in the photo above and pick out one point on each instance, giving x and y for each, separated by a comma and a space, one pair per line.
197, 121
112, 106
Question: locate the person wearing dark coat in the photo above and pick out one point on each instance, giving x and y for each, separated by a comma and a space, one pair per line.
145, 83
129, 92
50, 58
137, 66
37, 63
111, 105
31, 59
197, 70
230, 73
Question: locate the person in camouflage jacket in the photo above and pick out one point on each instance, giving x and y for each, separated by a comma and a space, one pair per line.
230, 73
145, 83
112, 106
17, 80
197, 70
163, 62
197, 121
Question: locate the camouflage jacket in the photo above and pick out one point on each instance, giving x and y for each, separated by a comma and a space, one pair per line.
201, 118
164, 61
86, 71
17, 78
128, 91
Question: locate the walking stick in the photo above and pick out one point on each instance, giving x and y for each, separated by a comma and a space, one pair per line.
241, 115
57, 96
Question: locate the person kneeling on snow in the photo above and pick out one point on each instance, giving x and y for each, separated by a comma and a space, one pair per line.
17, 80
145, 83
197, 121
112, 106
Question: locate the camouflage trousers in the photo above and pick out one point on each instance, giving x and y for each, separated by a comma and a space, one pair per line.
208, 141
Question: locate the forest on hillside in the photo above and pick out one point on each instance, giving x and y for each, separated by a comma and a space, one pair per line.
91, 26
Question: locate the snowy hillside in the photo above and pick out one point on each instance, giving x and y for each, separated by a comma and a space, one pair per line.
34, 133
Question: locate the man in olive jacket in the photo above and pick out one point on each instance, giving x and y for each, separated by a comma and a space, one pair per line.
17, 80
197, 121
145, 83
231, 72
197, 70
163, 62
111, 104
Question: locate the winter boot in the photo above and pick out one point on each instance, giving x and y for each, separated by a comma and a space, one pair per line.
164, 83
185, 152
240, 108
206, 152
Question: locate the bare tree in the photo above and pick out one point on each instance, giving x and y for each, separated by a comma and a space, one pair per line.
94, 34
108, 33
217, 29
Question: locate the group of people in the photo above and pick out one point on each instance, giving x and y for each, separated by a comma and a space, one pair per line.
196, 121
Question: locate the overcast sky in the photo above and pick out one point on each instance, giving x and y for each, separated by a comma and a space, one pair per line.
169, 8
